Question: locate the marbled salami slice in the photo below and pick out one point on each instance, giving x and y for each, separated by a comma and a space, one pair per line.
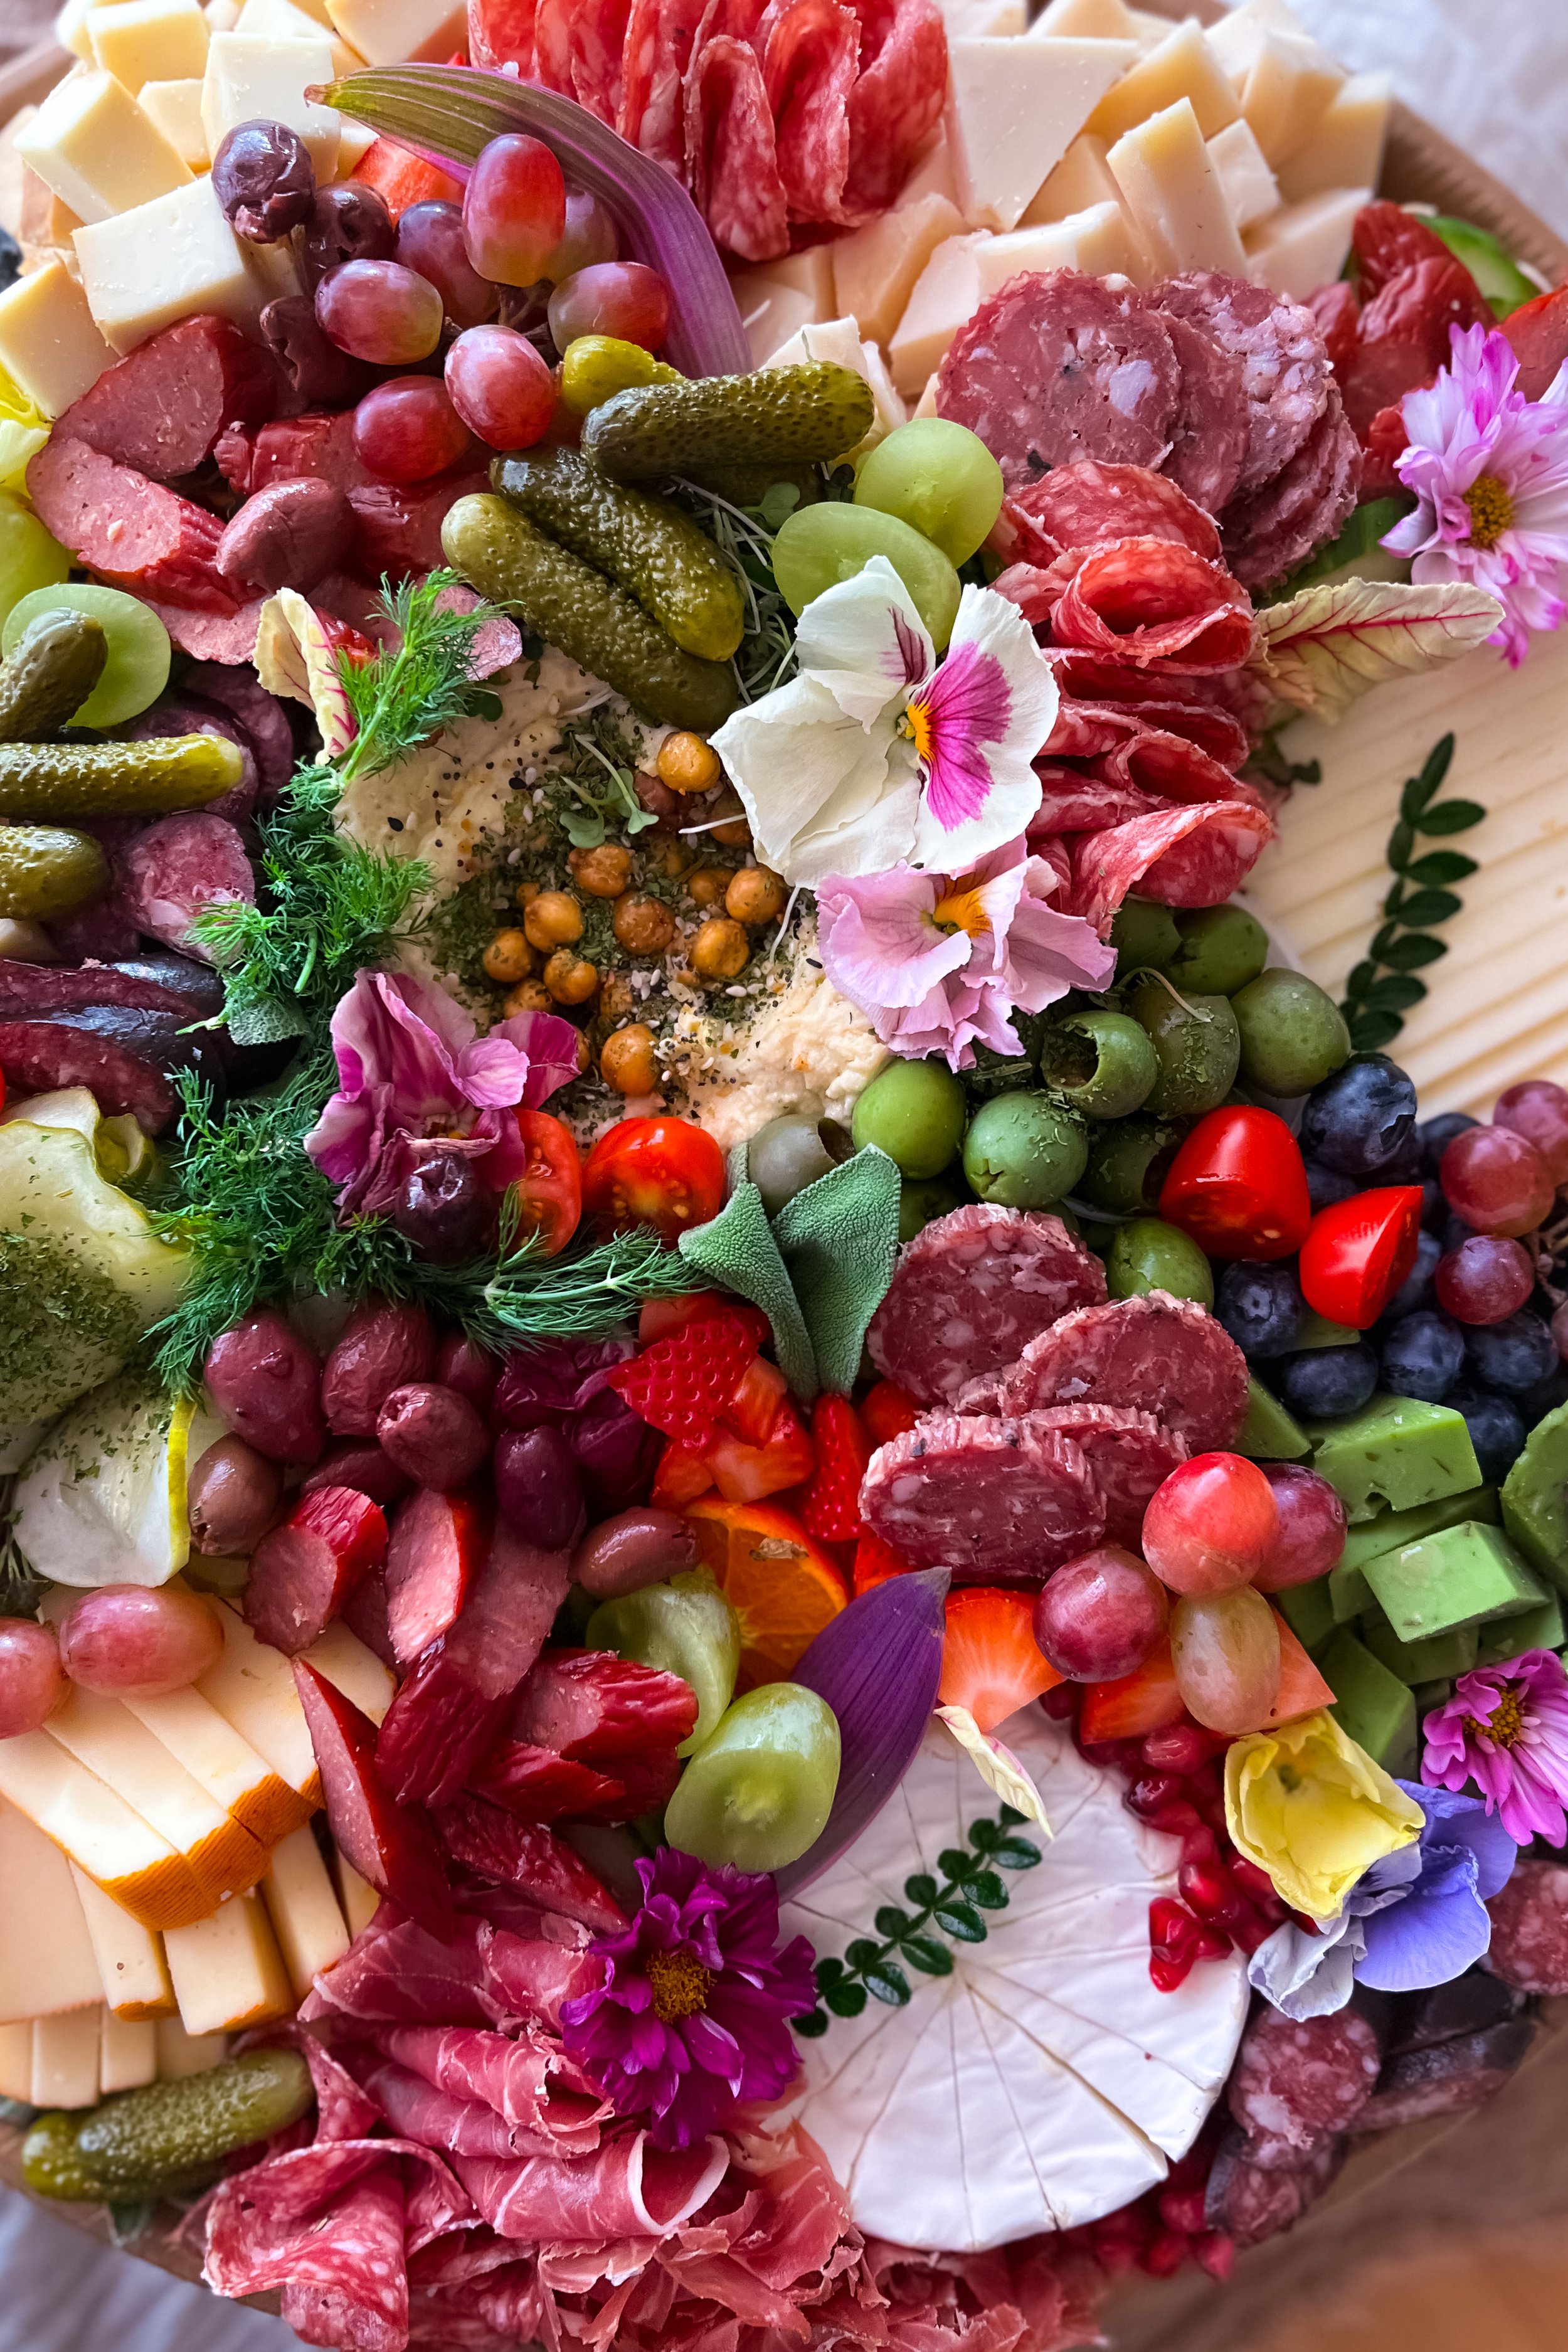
659, 35
1295, 2080
1142, 601
732, 163
1279, 347
971, 1290
1129, 1455
1309, 502
897, 103
1249, 2203
1192, 856
1213, 429
1075, 803
1170, 766
995, 1500
1156, 1354
1530, 1928
811, 61
1090, 504
1058, 366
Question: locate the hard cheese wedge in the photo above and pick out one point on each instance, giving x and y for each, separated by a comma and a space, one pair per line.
306, 1917
1173, 192
46, 1958
1053, 2076
227, 1970
213, 1752
252, 1687
92, 145
89, 1821
103, 1733
130, 1964
1014, 109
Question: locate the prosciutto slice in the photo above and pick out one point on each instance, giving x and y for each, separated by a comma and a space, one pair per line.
529, 2082
628, 2189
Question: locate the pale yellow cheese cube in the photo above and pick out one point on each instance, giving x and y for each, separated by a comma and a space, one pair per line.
17, 2062
227, 1972
353, 141
944, 295
128, 2054
46, 1959
49, 342
149, 40
252, 77
282, 20
165, 261
130, 1956
213, 1752
1304, 245
392, 32
306, 1916
181, 2053
1014, 109
358, 1898
1288, 89
92, 146
102, 1733
176, 108
66, 2052
1173, 192
839, 342
780, 297
987, 19
1082, 178
1345, 148
343, 1657
875, 267
70, 29
1098, 241
933, 175
252, 1687
93, 1824
1250, 188
1087, 20
1183, 65
14, 173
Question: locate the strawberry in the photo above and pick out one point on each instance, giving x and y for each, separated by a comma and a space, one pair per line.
682, 1383
755, 1407
874, 1562
682, 1474
991, 1662
745, 1474
660, 1316
832, 1504
887, 1410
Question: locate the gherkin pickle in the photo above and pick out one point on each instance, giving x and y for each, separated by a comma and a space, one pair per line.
594, 368
46, 871
52, 2166
169, 2135
1222, 949
145, 779
49, 674
776, 416
1196, 1042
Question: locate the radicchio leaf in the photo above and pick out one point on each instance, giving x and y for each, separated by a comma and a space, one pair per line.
1324, 647
296, 656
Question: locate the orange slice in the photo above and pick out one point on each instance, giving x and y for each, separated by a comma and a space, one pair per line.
780, 1585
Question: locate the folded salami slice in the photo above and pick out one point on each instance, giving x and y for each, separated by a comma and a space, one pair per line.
1090, 504
811, 63
1084, 730
896, 103
1036, 589
1192, 856
1155, 1355
998, 1501
1071, 802
657, 53
1172, 766
1146, 600
731, 161
1308, 503
1211, 727
1213, 428
1129, 1455
1279, 347
971, 1290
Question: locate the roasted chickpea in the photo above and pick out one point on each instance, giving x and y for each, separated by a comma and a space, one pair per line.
528, 996
720, 949
617, 998
627, 1060
604, 872
736, 832
526, 893
708, 884
508, 959
685, 764
554, 920
669, 857
755, 894
643, 925
570, 979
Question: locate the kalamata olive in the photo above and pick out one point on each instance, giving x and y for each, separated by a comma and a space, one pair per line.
616, 1451
445, 1210
463, 1365
359, 1463
634, 1549
347, 222
433, 1433
320, 375
539, 1488
32, 1686
232, 1497
287, 535
384, 1347
264, 179
265, 1382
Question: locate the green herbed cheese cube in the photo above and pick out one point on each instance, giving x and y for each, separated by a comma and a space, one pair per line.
1370, 1703
1535, 1498
1395, 1452
1459, 1576
1349, 1590
1429, 1696
1438, 1658
1532, 1629
1317, 1331
1307, 1611
1268, 1433
1350, 1595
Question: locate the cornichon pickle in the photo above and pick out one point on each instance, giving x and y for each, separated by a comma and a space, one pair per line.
594, 368
671, 567
513, 563
777, 416
46, 871
147, 779
171, 2127
48, 675
52, 2166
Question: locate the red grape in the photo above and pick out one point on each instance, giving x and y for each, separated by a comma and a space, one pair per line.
1312, 1526
1225, 1650
500, 387
624, 298
1098, 1617
1211, 1525
139, 1638
1485, 1280
408, 430
514, 210
591, 237
31, 1684
379, 310
1538, 1111
430, 240
1496, 1180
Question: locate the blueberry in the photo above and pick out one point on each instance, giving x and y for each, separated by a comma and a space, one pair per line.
1416, 1290
1434, 1210
1451, 1229
1323, 1382
1261, 1307
1327, 1185
1423, 1356
1403, 1165
1497, 1432
1543, 1398
1437, 1134
1357, 1120
1511, 1355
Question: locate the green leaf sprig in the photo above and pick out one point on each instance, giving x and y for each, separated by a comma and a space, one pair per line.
1383, 987
969, 1884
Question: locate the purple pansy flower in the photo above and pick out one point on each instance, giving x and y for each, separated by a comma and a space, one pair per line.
1506, 1728
693, 2016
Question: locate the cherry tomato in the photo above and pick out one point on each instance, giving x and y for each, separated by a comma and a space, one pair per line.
1359, 1252
663, 1172
549, 1192
1237, 1186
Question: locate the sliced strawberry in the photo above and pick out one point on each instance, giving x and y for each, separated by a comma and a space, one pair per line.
755, 1407
682, 1474
991, 1662
391, 1845
660, 1316
744, 1474
874, 1562
831, 1507
597, 1708
1144, 1701
887, 1410
682, 1383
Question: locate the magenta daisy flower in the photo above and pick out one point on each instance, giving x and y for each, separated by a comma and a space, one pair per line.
693, 2016
1506, 1728
1490, 470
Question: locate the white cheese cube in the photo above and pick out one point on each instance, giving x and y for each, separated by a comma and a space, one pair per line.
222, 16
227, 1970
875, 267
94, 1825
281, 20
1251, 191
776, 300
340, 1655
255, 77
92, 147
49, 342
394, 32
65, 2059
176, 107
149, 40
1304, 245
130, 1956
945, 294
983, 19
1014, 107
46, 1953
1173, 192
357, 1896
933, 175
306, 1916
102, 1733
1098, 241
926, 405
17, 2062
128, 2054
838, 340
70, 28
1150, 30
1082, 178
353, 141
1287, 92
1183, 65
210, 1749
1345, 150
164, 261
1085, 20
181, 2053
252, 1687
1237, 35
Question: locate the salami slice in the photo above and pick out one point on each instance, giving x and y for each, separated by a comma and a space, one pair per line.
1129, 1455
1306, 504
660, 36
1172, 766
598, 39
1213, 429
552, 46
998, 1501
897, 103
1075, 803
731, 163
1211, 729
1053, 849
1182, 856
1279, 348
179, 866
1296, 2079
1447, 2080
1084, 730
1530, 1928
1155, 1354
1058, 366
1091, 505
811, 61
1144, 600
1034, 589
971, 1290
1249, 2204
501, 33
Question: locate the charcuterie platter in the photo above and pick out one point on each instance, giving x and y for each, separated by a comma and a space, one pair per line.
786, 1415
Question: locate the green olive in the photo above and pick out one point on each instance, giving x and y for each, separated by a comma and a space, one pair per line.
919, 1203
1128, 1161
1293, 1035
1024, 1151
1198, 1045
785, 1156
1102, 1062
914, 1112
1144, 936
1222, 949
1149, 1255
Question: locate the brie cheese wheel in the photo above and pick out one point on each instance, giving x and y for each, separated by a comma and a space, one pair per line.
1045, 2082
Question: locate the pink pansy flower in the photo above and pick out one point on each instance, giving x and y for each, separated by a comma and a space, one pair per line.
937, 963
1506, 1728
414, 1079
876, 753
1490, 470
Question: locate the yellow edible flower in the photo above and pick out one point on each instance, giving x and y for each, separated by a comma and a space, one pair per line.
24, 429
1309, 1807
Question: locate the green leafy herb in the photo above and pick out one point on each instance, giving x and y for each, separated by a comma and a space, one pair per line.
1383, 987
1268, 761
969, 1885
599, 773
766, 652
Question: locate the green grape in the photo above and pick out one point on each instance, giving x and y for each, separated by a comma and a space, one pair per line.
819, 546
1293, 1035
940, 479
29, 557
758, 1793
1222, 949
914, 1112
137, 669
1024, 1151
1149, 1255
685, 1627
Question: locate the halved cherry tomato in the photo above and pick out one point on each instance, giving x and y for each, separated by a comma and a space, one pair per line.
1359, 1252
1238, 1187
663, 1172
550, 1191
745, 1474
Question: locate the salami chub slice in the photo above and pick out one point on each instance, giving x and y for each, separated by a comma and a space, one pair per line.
1279, 348
971, 1290
998, 1501
1296, 2083
1129, 1455
1156, 1355
1306, 504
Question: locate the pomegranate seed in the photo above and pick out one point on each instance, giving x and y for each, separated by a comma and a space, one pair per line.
1148, 1794
1216, 2253
1164, 2255
1212, 1944
1178, 1818
1200, 1845
1248, 1931
1207, 1888
1179, 1747
1253, 1881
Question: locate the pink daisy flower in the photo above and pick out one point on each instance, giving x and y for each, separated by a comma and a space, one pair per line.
1506, 1728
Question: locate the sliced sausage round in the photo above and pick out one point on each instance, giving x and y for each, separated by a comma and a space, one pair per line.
971, 1290
1156, 1354
996, 1501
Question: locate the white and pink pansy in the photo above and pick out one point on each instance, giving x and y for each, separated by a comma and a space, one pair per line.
876, 753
